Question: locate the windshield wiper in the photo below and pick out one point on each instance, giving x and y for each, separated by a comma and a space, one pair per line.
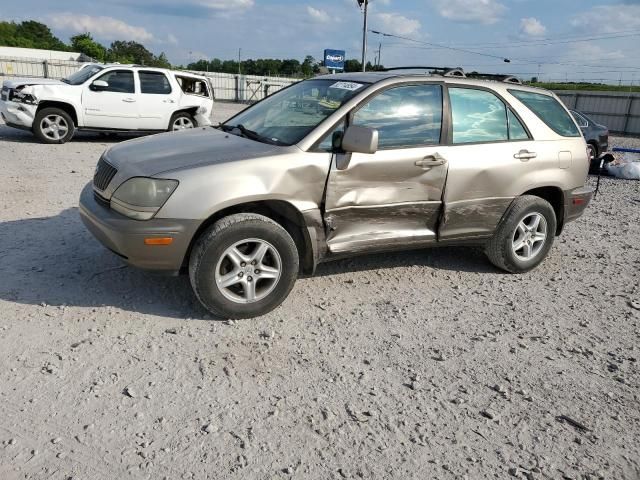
64, 80
251, 135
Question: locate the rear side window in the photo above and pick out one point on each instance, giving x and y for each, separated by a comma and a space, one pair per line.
478, 116
154, 83
407, 116
516, 129
549, 110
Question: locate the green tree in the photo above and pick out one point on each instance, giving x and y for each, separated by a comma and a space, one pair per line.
308, 66
84, 43
352, 65
29, 34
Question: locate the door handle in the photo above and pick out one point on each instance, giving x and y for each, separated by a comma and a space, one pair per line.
525, 155
430, 162
129, 100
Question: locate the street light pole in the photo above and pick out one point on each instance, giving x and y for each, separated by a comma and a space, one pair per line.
364, 34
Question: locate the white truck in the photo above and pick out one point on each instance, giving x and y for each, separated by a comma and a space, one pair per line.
107, 98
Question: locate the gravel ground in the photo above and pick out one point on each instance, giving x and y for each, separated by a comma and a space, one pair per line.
427, 364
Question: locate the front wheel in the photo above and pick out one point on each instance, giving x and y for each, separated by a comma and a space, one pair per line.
525, 235
243, 266
53, 125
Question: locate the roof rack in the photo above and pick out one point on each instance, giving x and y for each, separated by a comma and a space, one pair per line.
444, 71
459, 72
495, 77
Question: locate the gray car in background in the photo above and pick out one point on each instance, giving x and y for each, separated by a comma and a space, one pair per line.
596, 136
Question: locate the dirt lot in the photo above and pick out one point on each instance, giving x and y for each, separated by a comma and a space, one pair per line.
429, 364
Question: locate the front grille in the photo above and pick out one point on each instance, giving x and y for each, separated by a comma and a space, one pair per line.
104, 174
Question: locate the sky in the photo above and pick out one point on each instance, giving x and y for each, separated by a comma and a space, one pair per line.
595, 40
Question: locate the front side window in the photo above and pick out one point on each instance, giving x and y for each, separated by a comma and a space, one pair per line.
406, 116
288, 115
478, 116
82, 75
154, 83
549, 110
120, 81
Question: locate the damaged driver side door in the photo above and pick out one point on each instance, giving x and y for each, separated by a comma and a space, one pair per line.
393, 197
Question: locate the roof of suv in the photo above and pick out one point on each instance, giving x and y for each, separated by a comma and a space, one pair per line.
412, 74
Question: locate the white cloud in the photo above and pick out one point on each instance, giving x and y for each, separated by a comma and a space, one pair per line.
532, 27
100, 27
608, 18
172, 39
226, 5
397, 24
318, 15
486, 12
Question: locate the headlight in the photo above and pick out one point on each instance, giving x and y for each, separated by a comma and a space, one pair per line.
140, 198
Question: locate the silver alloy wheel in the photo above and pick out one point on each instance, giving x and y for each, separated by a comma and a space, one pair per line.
248, 270
592, 151
182, 123
54, 127
530, 236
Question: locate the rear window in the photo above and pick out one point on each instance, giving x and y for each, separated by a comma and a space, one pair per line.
549, 110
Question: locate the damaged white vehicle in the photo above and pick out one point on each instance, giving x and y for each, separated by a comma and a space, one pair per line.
107, 98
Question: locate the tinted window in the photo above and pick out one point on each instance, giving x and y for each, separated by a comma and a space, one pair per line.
516, 129
580, 120
404, 116
549, 110
154, 82
119, 81
82, 75
478, 116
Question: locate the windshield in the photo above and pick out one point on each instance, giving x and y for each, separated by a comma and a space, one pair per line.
288, 116
82, 75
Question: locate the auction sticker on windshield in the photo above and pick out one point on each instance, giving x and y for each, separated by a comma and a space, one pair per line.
347, 85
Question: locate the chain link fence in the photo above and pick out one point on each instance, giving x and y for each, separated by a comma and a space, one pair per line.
29, 67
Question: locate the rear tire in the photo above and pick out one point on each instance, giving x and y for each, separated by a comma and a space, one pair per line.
594, 164
243, 266
53, 125
525, 235
182, 121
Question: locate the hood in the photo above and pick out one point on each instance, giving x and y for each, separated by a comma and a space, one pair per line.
155, 154
21, 82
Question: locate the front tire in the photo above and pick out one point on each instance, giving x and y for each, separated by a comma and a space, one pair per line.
53, 125
243, 266
525, 235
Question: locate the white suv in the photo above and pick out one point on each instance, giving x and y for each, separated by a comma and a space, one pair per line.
108, 98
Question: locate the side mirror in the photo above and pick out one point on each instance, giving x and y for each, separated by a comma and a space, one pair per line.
99, 85
357, 139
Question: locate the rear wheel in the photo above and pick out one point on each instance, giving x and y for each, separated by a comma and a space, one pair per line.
182, 121
243, 266
53, 125
592, 151
525, 235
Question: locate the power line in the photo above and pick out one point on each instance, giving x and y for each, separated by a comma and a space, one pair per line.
530, 61
506, 60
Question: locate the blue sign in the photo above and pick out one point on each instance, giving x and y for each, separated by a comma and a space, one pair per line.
334, 59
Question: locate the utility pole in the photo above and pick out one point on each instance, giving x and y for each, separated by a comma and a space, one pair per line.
239, 60
364, 34
379, 62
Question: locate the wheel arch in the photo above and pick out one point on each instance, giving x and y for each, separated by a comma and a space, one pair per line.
64, 106
190, 110
555, 196
281, 212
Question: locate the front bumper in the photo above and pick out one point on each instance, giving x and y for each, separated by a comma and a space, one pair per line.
19, 115
125, 236
576, 202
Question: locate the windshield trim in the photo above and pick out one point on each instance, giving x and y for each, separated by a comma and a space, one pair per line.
88, 67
